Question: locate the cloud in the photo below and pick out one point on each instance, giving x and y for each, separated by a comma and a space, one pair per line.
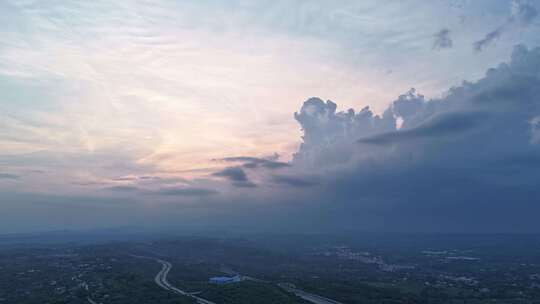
294, 181
123, 188
503, 101
255, 162
408, 104
148, 179
535, 130
467, 161
236, 175
522, 14
8, 176
442, 40
490, 37
327, 133
127, 178
442, 125
187, 191
127, 124
246, 184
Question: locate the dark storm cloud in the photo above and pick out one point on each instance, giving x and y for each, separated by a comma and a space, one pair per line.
442, 40
442, 125
8, 176
522, 15
465, 162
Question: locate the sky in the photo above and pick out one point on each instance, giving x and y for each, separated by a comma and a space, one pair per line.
315, 116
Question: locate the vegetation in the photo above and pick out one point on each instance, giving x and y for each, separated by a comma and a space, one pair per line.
466, 271
250, 292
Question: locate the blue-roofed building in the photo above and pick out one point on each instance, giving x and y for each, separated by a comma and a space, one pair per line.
225, 280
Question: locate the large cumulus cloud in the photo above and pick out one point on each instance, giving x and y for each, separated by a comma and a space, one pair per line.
327, 133
469, 161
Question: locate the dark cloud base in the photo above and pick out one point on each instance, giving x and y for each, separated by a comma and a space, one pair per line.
467, 162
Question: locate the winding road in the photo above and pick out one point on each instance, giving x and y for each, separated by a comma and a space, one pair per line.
161, 280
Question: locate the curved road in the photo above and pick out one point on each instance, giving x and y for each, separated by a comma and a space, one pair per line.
161, 280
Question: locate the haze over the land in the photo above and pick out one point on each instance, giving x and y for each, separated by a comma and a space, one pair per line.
212, 114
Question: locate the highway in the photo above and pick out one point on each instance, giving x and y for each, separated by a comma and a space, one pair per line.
161, 280
310, 297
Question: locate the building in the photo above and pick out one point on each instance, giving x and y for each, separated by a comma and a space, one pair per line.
225, 280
